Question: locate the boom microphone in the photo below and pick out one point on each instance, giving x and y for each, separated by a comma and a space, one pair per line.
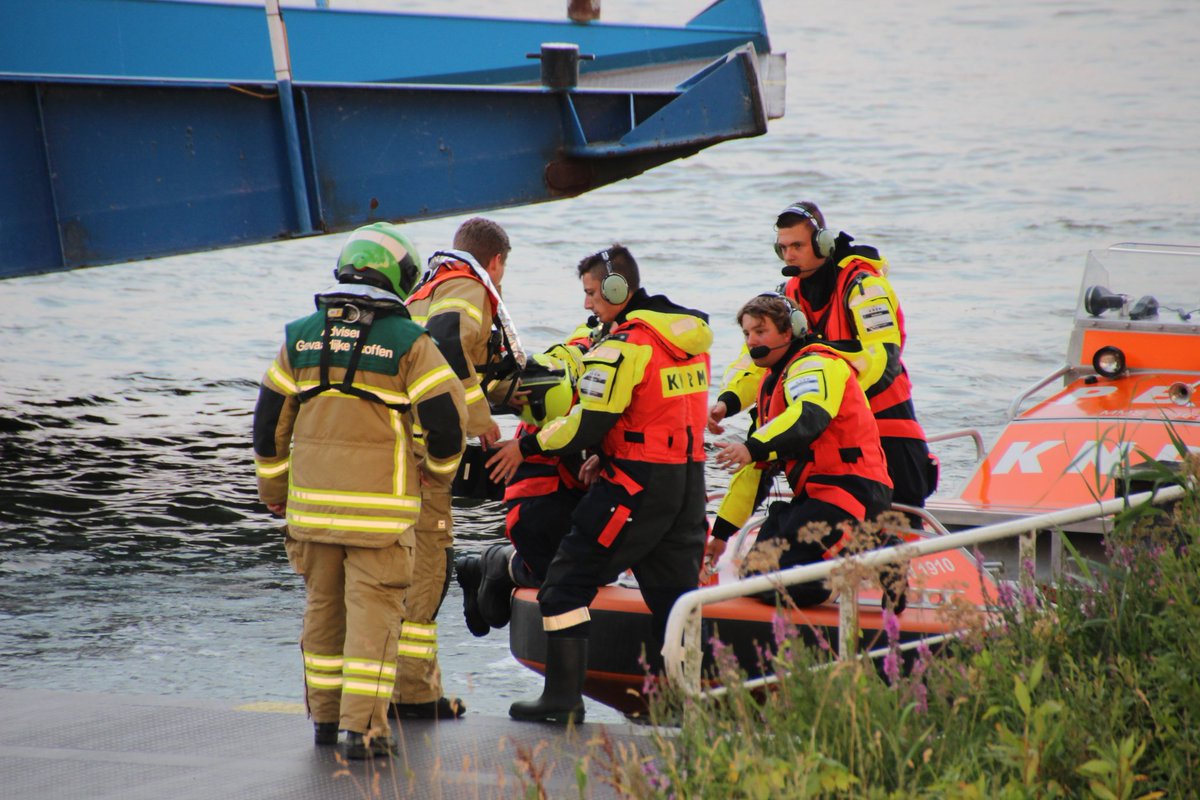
762, 351
789, 272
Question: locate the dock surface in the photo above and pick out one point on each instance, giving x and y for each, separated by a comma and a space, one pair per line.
87, 745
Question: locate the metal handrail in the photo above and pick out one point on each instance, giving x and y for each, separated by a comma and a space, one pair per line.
1014, 407
958, 434
682, 648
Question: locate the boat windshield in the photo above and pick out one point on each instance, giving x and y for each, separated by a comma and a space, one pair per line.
1141, 286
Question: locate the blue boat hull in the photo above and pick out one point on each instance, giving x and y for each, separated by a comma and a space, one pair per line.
109, 166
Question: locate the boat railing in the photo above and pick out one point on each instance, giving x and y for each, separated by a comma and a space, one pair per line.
682, 651
960, 433
1014, 408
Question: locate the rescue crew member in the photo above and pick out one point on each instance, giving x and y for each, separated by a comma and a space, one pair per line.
334, 452
815, 426
843, 290
642, 401
456, 302
539, 500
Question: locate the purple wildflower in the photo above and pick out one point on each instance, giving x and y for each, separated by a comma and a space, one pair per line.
654, 776
822, 642
924, 656
782, 628
891, 665
891, 626
922, 695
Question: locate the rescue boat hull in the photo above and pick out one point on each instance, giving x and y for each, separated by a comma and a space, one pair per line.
1125, 411
621, 631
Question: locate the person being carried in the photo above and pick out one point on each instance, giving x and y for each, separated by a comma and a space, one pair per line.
539, 500
814, 426
457, 301
844, 292
334, 451
643, 400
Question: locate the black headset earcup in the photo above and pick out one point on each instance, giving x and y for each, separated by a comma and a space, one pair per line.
823, 242
614, 288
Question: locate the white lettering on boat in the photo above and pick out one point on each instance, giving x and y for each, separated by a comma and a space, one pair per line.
1023, 456
934, 566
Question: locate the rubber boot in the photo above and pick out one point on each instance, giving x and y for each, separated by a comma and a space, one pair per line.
496, 587
325, 733
442, 708
357, 746
562, 697
467, 573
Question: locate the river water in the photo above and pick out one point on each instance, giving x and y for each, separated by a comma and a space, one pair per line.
983, 147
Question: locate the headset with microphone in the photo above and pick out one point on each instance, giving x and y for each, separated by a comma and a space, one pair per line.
613, 287
824, 241
797, 323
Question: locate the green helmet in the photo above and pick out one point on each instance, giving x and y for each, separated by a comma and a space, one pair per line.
381, 255
551, 387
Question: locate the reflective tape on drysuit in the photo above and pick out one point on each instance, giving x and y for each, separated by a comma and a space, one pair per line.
568, 619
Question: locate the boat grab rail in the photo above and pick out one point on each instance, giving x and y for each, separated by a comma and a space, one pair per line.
683, 646
1014, 408
960, 433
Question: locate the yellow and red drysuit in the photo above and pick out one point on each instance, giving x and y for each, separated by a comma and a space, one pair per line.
816, 427
850, 299
333, 439
642, 402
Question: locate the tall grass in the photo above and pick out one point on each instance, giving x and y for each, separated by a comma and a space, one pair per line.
1089, 688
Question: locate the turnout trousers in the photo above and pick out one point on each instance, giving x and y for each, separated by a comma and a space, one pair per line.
354, 599
418, 675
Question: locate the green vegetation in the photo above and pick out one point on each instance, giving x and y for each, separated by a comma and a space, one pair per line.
1089, 688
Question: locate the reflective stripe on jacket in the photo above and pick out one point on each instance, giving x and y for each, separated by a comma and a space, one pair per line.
863, 307
346, 465
848, 445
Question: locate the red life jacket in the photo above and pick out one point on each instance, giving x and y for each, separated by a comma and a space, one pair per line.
664, 422
834, 323
448, 271
848, 447
539, 475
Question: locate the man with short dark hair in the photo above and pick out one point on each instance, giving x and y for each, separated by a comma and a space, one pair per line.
843, 290
458, 302
643, 395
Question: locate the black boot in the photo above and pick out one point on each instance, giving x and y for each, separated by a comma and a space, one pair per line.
562, 697
495, 590
467, 572
442, 708
355, 746
325, 733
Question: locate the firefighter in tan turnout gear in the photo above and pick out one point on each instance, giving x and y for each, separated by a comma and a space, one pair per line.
457, 301
334, 453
